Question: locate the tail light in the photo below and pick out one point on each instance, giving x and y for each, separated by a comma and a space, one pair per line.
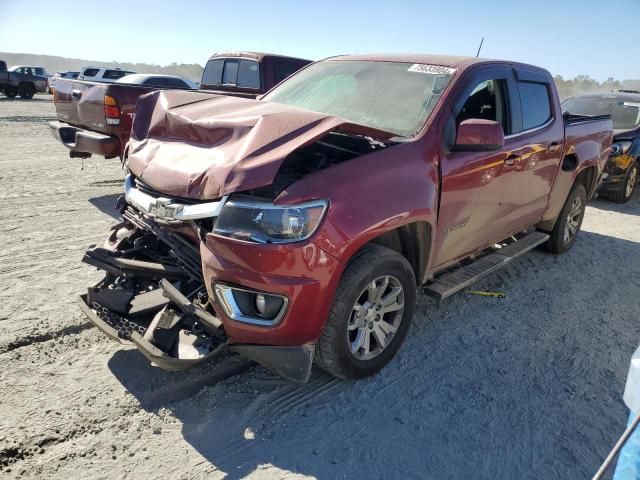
111, 110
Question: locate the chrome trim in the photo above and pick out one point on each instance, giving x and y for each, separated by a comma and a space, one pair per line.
167, 209
224, 293
531, 130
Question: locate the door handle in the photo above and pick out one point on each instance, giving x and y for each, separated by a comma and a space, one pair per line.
554, 147
511, 160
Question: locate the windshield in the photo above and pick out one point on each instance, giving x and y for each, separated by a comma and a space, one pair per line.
390, 96
624, 113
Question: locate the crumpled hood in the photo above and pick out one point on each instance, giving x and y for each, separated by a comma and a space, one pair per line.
203, 146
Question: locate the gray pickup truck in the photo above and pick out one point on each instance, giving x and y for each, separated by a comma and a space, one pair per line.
25, 85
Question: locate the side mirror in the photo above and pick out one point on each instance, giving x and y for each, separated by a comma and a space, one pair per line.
477, 135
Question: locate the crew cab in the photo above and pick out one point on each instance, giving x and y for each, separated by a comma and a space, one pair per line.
298, 227
22, 81
94, 118
622, 171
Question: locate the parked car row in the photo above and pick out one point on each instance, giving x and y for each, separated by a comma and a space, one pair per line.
290, 211
95, 117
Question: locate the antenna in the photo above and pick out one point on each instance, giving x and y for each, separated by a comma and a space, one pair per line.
480, 47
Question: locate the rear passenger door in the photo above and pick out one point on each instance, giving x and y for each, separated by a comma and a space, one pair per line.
535, 149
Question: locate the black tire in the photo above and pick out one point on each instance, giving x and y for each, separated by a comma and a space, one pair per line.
624, 194
558, 242
10, 92
26, 91
332, 352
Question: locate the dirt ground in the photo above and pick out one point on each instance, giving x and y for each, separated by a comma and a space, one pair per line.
524, 387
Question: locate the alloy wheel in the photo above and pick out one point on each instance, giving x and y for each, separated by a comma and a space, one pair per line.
375, 317
573, 220
631, 182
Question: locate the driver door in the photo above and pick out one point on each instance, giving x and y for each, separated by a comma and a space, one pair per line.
470, 203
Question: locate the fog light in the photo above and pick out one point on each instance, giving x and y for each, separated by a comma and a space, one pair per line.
261, 303
250, 306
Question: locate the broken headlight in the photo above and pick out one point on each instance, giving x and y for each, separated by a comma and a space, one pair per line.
264, 222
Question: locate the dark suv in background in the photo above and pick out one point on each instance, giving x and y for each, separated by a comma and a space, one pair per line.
623, 168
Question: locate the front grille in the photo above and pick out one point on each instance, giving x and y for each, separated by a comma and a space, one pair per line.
143, 187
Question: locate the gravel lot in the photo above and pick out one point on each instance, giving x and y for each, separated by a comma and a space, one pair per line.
526, 387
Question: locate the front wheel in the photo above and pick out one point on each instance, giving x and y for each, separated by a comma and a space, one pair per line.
370, 314
568, 225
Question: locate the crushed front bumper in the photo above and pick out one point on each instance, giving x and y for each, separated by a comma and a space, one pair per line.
156, 301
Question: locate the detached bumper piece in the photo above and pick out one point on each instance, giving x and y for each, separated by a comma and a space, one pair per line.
167, 328
141, 301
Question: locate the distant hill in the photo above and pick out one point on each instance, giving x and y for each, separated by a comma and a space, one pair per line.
53, 64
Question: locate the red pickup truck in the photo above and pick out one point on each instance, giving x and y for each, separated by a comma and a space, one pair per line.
94, 118
298, 228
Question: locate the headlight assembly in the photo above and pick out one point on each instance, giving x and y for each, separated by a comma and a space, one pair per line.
620, 148
264, 222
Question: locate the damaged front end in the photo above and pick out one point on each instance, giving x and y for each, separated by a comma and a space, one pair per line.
153, 294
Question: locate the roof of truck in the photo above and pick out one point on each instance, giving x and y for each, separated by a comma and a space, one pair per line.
621, 95
451, 61
254, 55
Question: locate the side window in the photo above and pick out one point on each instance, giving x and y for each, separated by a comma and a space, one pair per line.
248, 74
230, 72
39, 71
282, 69
212, 74
28, 71
114, 74
90, 72
486, 101
535, 103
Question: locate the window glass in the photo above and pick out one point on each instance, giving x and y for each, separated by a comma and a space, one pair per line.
248, 74
114, 74
28, 71
485, 102
535, 103
39, 71
283, 69
624, 110
175, 83
212, 74
90, 72
392, 96
230, 72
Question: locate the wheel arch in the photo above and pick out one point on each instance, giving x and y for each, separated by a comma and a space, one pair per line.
412, 241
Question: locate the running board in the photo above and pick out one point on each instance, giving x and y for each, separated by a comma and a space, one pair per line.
454, 281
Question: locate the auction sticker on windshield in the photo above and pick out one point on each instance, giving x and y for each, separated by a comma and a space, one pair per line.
434, 69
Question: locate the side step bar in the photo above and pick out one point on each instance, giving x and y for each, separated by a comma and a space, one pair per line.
454, 281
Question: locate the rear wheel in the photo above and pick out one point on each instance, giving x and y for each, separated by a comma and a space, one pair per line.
628, 185
568, 225
10, 92
26, 91
370, 314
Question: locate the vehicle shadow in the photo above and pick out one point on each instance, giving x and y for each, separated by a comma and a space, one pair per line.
107, 204
631, 207
17, 99
528, 386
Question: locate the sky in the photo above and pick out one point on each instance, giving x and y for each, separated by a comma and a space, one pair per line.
568, 37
